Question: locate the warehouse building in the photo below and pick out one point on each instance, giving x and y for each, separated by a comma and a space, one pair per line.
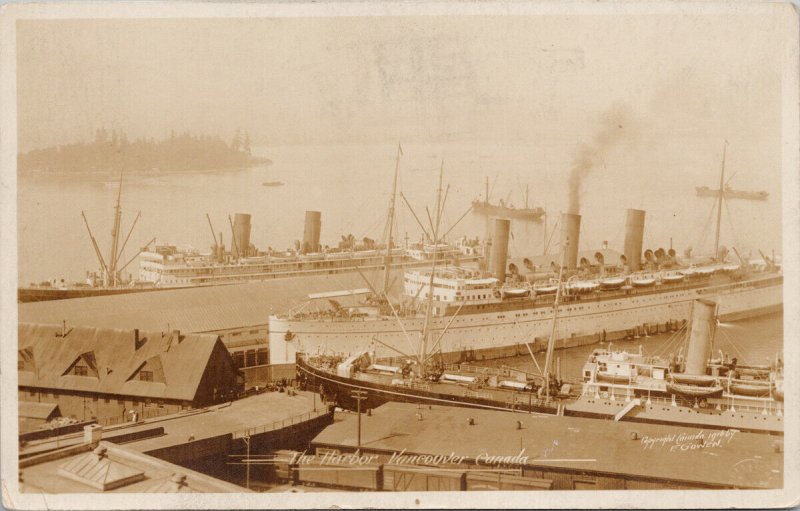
113, 376
568, 453
237, 313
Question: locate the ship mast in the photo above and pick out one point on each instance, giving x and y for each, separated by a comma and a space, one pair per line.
115, 236
429, 307
390, 223
721, 197
551, 342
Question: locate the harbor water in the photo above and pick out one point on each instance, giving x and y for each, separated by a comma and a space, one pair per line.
754, 341
351, 185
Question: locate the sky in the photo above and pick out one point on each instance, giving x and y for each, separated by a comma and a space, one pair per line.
690, 81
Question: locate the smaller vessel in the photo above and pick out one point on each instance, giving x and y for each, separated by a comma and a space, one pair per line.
692, 390
503, 210
272, 183
730, 193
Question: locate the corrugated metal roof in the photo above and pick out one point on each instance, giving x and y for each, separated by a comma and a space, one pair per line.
117, 360
200, 309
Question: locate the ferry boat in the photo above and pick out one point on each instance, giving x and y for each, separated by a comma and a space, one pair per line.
694, 390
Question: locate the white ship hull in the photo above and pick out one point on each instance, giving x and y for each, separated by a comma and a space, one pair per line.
493, 333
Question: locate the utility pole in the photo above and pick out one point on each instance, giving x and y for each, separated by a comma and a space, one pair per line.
246, 439
719, 203
359, 395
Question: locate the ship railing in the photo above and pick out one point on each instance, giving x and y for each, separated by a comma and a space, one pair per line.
770, 407
280, 424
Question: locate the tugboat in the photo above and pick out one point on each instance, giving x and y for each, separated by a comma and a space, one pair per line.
694, 390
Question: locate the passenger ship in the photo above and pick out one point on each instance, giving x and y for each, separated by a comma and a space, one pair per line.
167, 266
483, 317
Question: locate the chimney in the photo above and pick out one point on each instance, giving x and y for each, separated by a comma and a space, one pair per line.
92, 434
500, 248
177, 335
137, 342
634, 233
311, 232
570, 236
701, 335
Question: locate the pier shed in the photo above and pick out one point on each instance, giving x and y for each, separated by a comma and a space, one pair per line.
573, 453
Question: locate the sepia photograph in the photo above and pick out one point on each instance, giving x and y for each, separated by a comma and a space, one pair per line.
460, 254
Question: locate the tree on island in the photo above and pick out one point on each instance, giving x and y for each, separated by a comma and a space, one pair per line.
114, 152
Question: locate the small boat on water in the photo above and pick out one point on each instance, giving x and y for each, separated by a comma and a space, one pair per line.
730, 193
272, 183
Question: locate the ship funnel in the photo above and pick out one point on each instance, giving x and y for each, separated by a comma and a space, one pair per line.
241, 234
704, 314
570, 233
634, 233
311, 232
500, 248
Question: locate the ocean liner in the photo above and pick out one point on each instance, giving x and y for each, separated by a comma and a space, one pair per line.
496, 315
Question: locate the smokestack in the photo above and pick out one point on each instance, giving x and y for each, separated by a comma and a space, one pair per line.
311, 232
241, 233
634, 233
500, 248
702, 333
570, 233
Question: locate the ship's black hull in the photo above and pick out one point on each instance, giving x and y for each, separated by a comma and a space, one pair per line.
339, 390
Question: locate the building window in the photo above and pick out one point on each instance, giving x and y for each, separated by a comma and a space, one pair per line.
81, 371
146, 375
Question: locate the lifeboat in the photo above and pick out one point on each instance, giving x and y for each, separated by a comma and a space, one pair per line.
677, 277
706, 271
750, 389
583, 287
516, 292
643, 281
693, 379
694, 391
546, 290
612, 282
612, 378
730, 267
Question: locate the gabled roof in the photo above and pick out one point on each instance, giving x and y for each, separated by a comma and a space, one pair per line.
183, 361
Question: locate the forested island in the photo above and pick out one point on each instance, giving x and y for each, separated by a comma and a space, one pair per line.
112, 152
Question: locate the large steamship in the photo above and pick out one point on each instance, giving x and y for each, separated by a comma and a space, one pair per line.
482, 316
167, 266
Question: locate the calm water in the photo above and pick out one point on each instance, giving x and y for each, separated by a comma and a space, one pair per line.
754, 341
351, 186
